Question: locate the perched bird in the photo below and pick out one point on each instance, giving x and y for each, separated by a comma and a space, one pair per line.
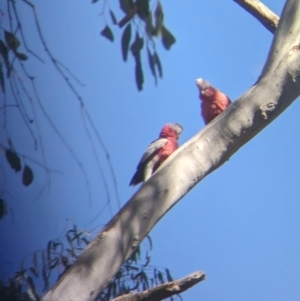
213, 102
157, 152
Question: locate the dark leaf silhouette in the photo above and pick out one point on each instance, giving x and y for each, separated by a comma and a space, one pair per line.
137, 45
113, 17
21, 56
34, 272
2, 79
151, 61
107, 33
3, 208
35, 264
169, 277
126, 5
13, 160
158, 64
142, 8
167, 38
125, 41
4, 54
150, 30
11, 40
46, 276
136, 48
32, 287
159, 17
139, 75
27, 177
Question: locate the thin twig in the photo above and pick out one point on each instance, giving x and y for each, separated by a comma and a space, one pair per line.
58, 67
22, 113
71, 74
34, 161
19, 24
165, 290
69, 148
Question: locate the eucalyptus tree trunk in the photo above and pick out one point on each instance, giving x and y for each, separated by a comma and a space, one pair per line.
277, 87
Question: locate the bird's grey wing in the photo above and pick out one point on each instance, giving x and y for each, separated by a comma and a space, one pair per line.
152, 149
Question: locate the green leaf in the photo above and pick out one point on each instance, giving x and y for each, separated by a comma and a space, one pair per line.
150, 241
31, 284
126, 5
27, 177
2, 79
4, 54
158, 64
54, 262
167, 38
125, 41
151, 61
136, 48
142, 7
159, 17
11, 40
33, 271
113, 17
107, 33
3, 208
35, 264
46, 275
13, 160
3, 50
21, 56
137, 45
169, 277
150, 30
160, 277
139, 76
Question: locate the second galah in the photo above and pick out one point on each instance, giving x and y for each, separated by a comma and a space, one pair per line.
157, 152
213, 102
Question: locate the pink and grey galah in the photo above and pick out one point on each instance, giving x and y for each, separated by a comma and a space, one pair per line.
214, 102
157, 152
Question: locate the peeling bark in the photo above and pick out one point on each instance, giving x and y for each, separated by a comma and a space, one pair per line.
277, 87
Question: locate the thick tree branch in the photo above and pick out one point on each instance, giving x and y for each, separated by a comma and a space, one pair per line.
261, 12
165, 290
277, 87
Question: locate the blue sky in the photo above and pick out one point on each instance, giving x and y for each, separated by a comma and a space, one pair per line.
240, 224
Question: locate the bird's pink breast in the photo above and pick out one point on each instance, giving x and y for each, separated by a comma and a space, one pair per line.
170, 146
213, 105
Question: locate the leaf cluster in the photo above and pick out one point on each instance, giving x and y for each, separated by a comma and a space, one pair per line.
143, 26
58, 256
15, 163
136, 274
10, 44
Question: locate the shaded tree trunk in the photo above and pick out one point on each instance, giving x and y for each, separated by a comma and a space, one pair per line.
277, 87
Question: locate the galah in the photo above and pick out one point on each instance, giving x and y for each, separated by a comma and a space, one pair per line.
157, 152
213, 102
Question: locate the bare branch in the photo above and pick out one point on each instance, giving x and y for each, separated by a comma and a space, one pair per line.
164, 290
261, 12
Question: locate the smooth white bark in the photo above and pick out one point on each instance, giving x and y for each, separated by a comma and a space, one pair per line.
275, 90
